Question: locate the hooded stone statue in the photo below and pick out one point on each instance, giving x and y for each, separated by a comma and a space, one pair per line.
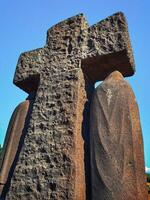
13, 141
117, 158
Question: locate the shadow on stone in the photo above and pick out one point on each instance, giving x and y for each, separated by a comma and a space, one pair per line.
89, 88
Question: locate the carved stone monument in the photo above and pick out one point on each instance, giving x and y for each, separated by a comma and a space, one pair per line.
117, 160
52, 159
13, 141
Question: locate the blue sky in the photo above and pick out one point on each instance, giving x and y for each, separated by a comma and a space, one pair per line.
23, 26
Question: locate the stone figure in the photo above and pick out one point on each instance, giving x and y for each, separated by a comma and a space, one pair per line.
117, 158
12, 141
63, 74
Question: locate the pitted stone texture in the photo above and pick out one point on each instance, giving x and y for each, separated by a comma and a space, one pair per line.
101, 48
28, 69
11, 143
109, 49
53, 163
62, 53
117, 158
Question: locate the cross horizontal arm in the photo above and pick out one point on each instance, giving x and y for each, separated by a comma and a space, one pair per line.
109, 49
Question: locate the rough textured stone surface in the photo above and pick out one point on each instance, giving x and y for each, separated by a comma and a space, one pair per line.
101, 48
54, 161
109, 49
51, 164
117, 158
15, 132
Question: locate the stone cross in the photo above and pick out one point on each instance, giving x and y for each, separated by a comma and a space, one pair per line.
54, 160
